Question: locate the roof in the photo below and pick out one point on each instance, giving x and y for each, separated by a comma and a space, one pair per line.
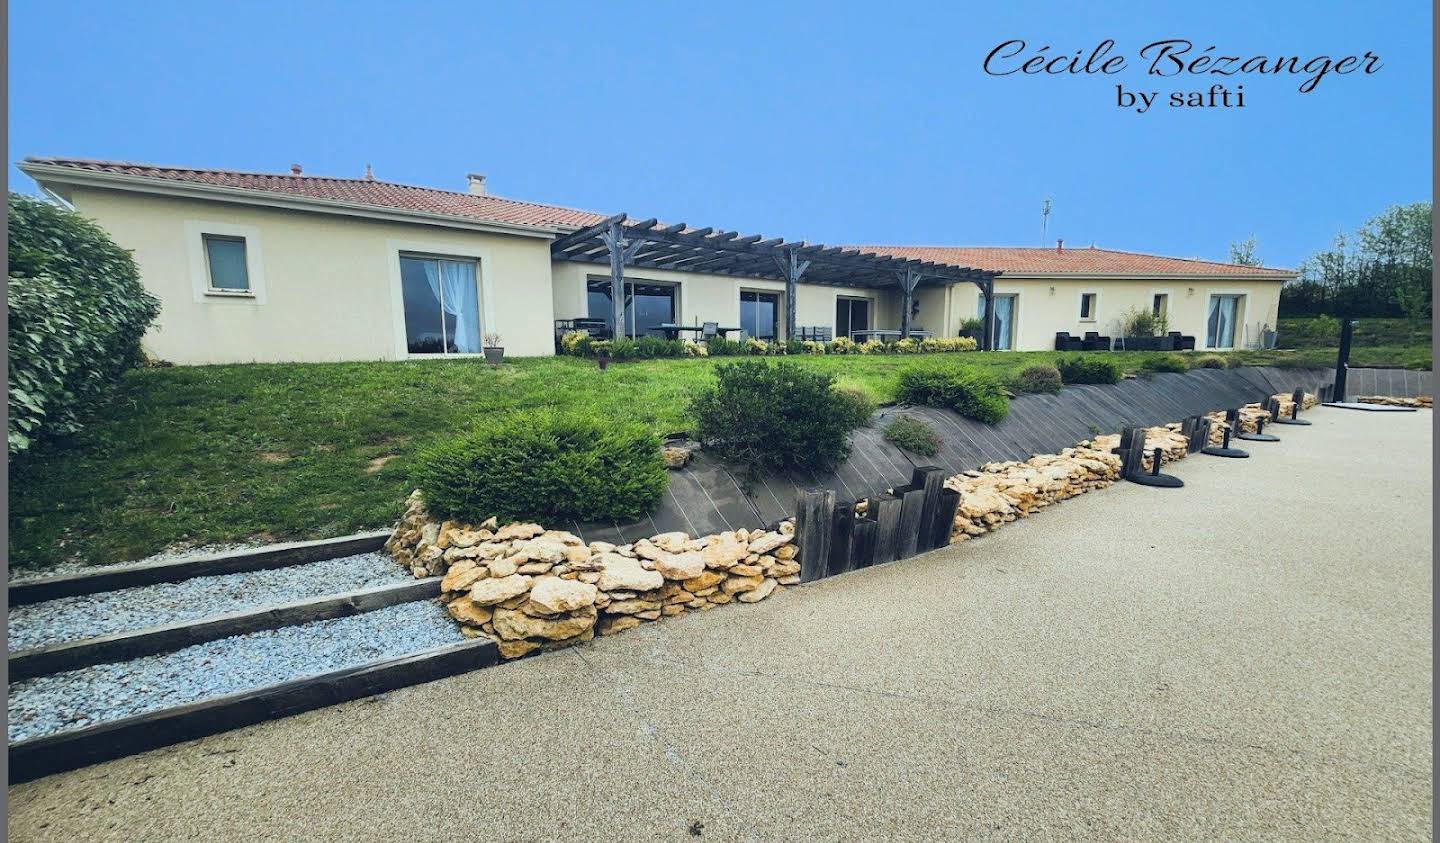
432, 202
381, 194
1016, 260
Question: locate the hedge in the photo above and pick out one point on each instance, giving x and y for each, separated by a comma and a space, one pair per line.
77, 314
969, 392
538, 466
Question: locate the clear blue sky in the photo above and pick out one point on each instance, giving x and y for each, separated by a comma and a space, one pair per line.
869, 123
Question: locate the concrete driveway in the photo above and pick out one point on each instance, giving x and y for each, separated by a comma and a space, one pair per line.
1248, 657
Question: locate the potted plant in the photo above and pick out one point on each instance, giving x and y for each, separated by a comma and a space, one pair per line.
494, 352
973, 327
1142, 330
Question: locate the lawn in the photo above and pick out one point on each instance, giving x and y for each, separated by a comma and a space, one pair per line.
190, 456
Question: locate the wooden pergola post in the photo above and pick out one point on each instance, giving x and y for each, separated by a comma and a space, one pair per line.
791, 267
621, 253
908, 280
987, 337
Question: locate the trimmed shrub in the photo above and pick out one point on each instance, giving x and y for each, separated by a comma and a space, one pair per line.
718, 346
969, 392
77, 315
1166, 363
774, 417
1080, 368
544, 467
857, 405
1034, 379
652, 347
842, 345
1210, 361
911, 434
578, 343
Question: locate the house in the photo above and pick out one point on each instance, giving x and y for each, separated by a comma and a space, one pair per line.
294, 267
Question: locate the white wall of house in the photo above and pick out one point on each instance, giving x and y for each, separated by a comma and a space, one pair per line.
1047, 305
324, 287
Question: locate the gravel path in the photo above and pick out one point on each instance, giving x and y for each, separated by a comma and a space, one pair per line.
104, 692
73, 618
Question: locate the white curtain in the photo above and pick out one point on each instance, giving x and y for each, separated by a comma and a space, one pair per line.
1222, 321
1004, 321
453, 284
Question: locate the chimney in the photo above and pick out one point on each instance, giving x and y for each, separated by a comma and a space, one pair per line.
477, 184
369, 173
1060, 245
294, 169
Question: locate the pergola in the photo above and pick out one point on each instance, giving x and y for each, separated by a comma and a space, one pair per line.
645, 243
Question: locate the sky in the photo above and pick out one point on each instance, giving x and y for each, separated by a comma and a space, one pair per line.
869, 123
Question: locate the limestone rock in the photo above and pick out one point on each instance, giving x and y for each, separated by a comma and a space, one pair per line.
464, 610
503, 567
465, 538
758, 593
768, 542
512, 625
611, 624
621, 573
735, 585
510, 532
675, 457
723, 554
786, 552
672, 542
516, 649
680, 566
543, 549
556, 595
462, 575
706, 579
746, 570
536, 568
633, 606
498, 590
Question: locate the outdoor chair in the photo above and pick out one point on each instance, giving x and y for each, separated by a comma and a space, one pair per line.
709, 330
1065, 342
1094, 342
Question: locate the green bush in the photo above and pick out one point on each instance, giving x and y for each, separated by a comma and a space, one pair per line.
1165, 363
1080, 368
544, 467
1210, 361
77, 314
721, 347
969, 392
913, 435
855, 404
774, 417
1044, 379
652, 347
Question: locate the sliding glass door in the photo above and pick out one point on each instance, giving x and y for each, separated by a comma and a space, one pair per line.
759, 314
647, 306
851, 315
1004, 331
442, 305
1220, 327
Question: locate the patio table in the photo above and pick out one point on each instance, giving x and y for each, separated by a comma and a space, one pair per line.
887, 333
672, 331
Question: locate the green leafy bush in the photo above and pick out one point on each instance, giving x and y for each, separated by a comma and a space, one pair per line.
77, 314
544, 467
969, 392
913, 435
855, 404
774, 417
1210, 361
1045, 379
1080, 368
1165, 363
653, 347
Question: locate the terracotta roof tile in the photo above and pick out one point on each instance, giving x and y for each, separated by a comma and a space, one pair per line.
356, 191
1082, 261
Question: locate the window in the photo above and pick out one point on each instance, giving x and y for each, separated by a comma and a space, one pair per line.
1220, 327
1087, 307
647, 306
225, 263
759, 313
1161, 305
442, 305
851, 315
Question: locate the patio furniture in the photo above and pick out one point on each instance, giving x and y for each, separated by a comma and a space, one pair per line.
1065, 342
883, 334
704, 332
1182, 342
814, 333
1094, 342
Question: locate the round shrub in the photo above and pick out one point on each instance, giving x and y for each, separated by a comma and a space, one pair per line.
913, 435
969, 392
545, 467
1166, 363
1081, 368
77, 314
1210, 361
1045, 379
855, 404
774, 417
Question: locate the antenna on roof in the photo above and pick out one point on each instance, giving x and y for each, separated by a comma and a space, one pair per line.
1045, 219
369, 172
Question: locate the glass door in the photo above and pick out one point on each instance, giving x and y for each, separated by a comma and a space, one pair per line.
851, 315
759, 314
1220, 327
1004, 337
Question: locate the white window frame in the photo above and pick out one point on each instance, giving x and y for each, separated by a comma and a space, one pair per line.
439, 250
1094, 316
199, 261
1169, 297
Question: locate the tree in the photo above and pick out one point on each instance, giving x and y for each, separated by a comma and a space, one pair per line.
1383, 269
1243, 253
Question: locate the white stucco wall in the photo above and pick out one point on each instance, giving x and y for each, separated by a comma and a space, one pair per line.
326, 286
